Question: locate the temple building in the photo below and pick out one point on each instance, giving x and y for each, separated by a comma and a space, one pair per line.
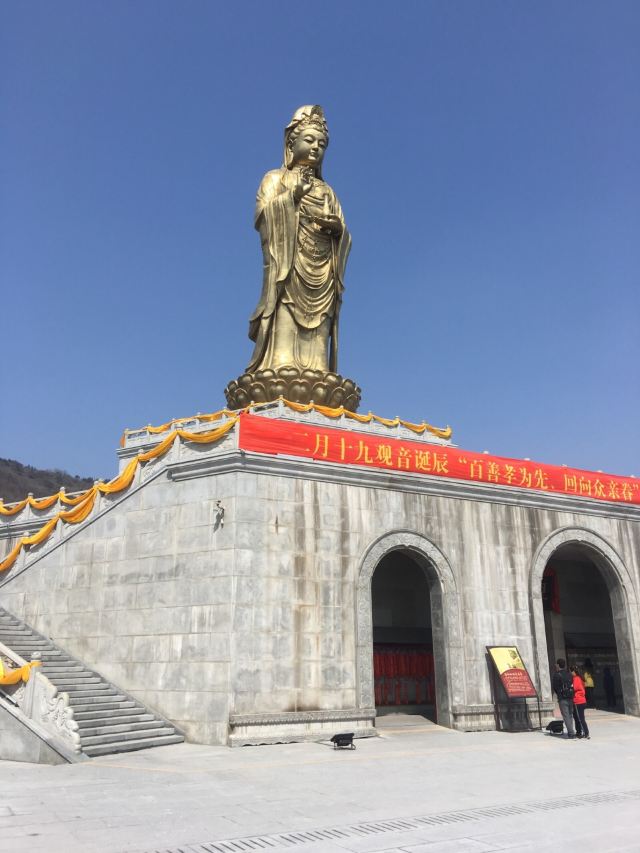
288, 571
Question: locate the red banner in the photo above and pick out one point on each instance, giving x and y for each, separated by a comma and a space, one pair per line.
347, 447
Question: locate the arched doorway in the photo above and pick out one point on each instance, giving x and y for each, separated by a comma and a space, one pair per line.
579, 623
584, 612
403, 670
426, 572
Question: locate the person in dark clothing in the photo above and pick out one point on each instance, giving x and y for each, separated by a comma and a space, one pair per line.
609, 687
562, 683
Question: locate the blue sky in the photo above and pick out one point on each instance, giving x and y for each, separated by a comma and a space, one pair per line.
486, 157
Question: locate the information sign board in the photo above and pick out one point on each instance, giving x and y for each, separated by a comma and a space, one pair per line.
512, 671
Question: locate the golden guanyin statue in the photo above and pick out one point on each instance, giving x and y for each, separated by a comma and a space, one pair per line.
305, 245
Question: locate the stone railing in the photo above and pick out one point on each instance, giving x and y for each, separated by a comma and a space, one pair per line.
41, 702
30, 518
143, 439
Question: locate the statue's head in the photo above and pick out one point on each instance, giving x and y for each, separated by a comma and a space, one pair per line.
306, 138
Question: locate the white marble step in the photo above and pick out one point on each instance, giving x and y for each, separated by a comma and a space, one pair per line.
108, 720
131, 745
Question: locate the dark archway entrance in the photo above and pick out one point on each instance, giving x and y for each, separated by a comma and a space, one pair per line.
579, 623
401, 600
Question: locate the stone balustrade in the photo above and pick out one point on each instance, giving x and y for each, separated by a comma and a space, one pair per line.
40, 701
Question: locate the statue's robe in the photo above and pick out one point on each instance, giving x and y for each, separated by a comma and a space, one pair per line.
296, 320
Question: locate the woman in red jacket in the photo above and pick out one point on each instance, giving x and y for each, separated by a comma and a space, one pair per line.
579, 704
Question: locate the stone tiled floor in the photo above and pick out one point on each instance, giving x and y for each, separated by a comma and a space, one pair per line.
185, 796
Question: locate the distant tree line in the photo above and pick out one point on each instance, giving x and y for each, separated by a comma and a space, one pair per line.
17, 480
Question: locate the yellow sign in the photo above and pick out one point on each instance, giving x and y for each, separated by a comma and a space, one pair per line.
512, 671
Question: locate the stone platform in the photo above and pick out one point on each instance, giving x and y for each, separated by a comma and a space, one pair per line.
230, 590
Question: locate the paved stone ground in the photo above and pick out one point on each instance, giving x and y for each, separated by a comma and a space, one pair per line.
416, 789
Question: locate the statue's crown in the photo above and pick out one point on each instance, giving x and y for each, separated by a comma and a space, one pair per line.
312, 114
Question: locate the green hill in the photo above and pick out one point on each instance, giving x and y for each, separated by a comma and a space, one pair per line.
17, 480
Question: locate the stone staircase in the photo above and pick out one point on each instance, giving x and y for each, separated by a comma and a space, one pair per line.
109, 720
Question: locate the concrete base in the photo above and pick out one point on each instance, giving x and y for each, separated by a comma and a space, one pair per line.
227, 589
298, 727
513, 716
23, 740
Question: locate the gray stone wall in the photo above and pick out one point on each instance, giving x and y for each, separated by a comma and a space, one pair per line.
240, 588
19, 740
144, 595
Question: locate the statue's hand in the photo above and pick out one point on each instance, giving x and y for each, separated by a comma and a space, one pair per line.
300, 190
331, 223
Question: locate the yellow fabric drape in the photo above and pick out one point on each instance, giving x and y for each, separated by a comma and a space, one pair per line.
85, 502
206, 437
74, 501
80, 512
154, 430
329, 412
165, 445
40, 535
13, 676
122, 481
42, 503
14, 510
366, 419
11, 557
